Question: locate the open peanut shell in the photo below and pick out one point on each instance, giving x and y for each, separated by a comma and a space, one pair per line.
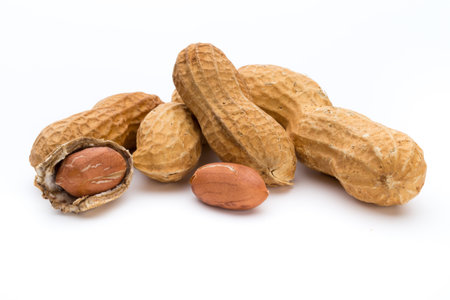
59, 198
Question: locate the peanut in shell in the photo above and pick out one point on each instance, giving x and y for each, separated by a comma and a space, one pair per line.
374, 163
115, 118
168, 143
235, 128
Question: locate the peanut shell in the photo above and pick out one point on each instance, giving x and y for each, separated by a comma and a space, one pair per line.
176, 97
282, 93
168, 143
115, 118
59, 198
235, 128
373, 163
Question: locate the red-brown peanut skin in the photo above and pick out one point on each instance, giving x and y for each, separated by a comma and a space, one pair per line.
91, 171
228, 185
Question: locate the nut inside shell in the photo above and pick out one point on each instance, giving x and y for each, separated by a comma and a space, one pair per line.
59, 198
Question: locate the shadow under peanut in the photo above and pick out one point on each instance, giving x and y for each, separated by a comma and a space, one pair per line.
253, 212
103, 210
146, 184
305, 176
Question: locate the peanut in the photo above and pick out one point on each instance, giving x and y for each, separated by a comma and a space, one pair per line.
168, 143
115, 118
236, 129
84, 173
342, 143
280, 92
91, 171
373, 163
228, 185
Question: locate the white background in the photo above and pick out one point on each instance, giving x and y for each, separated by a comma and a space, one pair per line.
386, 59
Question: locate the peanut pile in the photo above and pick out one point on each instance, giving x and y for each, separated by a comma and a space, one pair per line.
257, 119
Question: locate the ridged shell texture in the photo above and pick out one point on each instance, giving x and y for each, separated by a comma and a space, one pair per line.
235, 128
115, 118
168, 143
374, 163
282, 93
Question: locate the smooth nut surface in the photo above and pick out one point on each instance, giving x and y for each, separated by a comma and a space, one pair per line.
91, 171
228, 185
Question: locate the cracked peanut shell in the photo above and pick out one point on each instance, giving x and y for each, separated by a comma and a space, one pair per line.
235, 128
59, 198
115, 118
168, 143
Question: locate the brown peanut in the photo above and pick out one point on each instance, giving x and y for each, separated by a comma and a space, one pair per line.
168, 143
228, 185
91, 171
236, 129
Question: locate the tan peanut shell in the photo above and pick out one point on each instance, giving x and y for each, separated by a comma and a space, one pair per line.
176, 97
373, 163
59, 198
282, 93
115, 118
235, 128
228, 185
168, 143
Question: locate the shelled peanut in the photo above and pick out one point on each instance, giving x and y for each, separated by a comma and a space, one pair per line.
91, 171
235, 128
168, 143
228, 185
